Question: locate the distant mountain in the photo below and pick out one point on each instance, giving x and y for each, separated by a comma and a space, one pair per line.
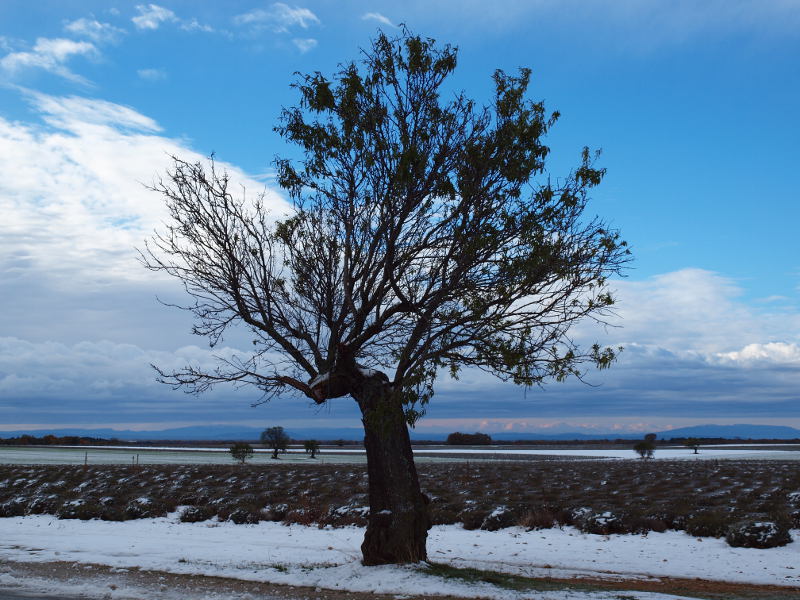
203, 432
743, 431
229, 433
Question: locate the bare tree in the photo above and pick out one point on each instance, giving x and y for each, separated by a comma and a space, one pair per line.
426, 237
311, 447
276, 438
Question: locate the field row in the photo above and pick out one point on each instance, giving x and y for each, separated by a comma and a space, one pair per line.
702, 498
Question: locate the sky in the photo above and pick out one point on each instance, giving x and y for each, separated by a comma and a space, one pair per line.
694, 106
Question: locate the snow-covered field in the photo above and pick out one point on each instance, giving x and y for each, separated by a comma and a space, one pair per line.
329, 558
139, 455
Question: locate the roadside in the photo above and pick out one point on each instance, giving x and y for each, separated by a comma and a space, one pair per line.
76, 581
67, 580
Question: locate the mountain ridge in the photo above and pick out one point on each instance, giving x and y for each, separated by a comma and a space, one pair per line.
228, 433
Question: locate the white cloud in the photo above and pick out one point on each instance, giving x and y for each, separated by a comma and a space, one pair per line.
697, 310
151, 16
374, 16
94, 30
279, 17
152, 74
759, 354
71, 194
305, 44
49, 54
195, 25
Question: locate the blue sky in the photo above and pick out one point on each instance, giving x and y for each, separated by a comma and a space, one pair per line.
694, 105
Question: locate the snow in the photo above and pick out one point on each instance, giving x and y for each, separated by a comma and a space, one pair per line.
319, 379
330, 558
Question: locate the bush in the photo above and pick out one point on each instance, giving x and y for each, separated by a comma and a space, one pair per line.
708, 524
13, 508
472, 518
195, 514
758, 534
538, 518
604, 523
245, 516
241, 451
144, 508
500, 518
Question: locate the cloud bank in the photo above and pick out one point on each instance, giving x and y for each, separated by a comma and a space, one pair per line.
81, 325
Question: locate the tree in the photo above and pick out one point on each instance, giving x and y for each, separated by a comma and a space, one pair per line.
241, 451
311, 447
426, 237
644, 449
275, 438
469, 439
692, 443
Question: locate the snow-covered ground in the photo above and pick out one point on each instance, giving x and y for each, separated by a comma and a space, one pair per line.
330, 558
150, 455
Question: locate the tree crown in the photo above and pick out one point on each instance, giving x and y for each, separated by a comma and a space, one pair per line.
425, 235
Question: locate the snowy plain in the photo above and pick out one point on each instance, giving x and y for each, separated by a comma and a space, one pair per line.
58, 455
330, 558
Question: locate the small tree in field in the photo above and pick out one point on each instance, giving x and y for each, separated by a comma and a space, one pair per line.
645, 449
692, 443
241, 452
275, 438
311, 447
426, 237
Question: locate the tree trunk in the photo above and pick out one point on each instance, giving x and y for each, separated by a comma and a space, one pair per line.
398, 521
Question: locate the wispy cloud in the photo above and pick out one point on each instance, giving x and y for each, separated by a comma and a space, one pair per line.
152, 74
151, 16
49, 54
305, 44
378, 17
94, 30
279, 17
194, 25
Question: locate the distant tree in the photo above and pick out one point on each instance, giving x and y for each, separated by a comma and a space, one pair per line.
311, 447
241, 451
426, 236
645, 449
469, 439
692, 443
650, 437
275, 438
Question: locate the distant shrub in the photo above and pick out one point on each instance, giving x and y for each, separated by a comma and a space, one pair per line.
645, 449
241, 451
758, 534
468, 439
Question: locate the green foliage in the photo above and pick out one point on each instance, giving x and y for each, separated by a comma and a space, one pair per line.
241, 452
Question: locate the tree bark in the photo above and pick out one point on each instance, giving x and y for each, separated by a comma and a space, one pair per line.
398, 523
